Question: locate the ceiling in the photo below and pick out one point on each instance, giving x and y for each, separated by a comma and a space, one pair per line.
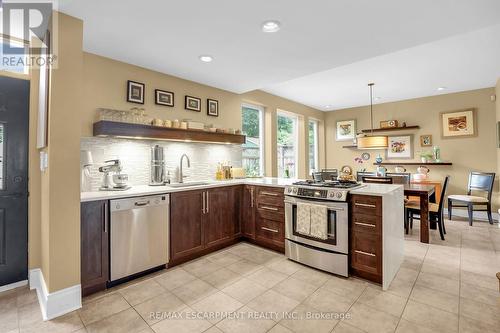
324, 55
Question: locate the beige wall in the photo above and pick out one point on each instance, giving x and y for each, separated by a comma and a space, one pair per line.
467, 154
60, 183
497, 94
105, 87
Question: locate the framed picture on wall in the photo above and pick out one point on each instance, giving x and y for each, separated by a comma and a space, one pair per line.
346, 130
135, 92
163, 97
400, 147
460, 123
192, 103
212, 107
426, 140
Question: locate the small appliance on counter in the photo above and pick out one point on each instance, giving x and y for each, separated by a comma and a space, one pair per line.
116, 182
86, 162
158, 175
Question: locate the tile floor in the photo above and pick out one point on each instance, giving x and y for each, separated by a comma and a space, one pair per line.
447, 286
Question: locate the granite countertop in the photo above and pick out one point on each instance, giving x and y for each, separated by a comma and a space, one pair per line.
143, 190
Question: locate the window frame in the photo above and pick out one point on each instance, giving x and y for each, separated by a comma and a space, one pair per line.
315, 123
295, 117
262, 141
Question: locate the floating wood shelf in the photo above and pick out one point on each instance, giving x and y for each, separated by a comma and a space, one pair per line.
413, 163
390, 129
350, 146
137, 131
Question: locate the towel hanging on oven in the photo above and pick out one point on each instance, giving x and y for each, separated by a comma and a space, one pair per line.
319, 221
303, 219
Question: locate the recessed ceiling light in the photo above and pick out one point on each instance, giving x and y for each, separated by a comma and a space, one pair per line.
206, 58
441, 88
271, 26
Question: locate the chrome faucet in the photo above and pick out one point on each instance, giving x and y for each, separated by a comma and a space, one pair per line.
181, 176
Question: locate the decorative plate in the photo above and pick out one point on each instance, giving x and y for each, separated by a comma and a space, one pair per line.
365, 156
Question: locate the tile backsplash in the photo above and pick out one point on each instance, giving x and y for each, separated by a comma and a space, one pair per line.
135, 156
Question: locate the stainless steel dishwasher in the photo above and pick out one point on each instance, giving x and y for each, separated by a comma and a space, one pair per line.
139, 234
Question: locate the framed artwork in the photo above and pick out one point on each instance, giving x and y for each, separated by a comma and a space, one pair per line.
346, 130
163, 97
43, 95
135, 92
426, 140
460, 123
192, 103
212, 107
400, 147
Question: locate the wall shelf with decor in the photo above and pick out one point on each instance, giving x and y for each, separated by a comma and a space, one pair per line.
115, 129
413, 163
390, 129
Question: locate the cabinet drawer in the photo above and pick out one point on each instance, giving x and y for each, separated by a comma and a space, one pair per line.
271, 196
366, 252
270, 230
365, 204
366, 223
271, 212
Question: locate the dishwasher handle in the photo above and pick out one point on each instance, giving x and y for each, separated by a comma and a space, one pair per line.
141, 203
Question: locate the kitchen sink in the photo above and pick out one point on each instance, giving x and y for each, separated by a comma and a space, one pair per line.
187, 184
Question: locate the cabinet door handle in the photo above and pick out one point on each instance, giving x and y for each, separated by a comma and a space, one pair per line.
207, 205
269, 193
203, 203
365, 253
106, 218
251, 197
365, 224
274, 209
365, 205
269, 229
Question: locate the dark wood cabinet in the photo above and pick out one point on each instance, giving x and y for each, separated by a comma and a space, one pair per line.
186, 223
270, 217
248, 209
94, 246
365, 229
221, 218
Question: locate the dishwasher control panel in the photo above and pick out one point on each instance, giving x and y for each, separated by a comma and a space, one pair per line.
139, 202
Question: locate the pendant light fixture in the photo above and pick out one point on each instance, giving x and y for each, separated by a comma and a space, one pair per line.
372, 141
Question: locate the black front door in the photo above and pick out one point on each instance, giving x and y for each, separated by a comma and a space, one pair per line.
14, 113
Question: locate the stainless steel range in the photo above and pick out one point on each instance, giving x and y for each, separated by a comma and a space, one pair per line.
330, 253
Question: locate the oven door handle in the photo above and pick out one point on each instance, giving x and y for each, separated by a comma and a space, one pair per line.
328, 205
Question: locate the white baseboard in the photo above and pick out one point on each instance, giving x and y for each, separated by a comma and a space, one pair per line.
13, 285
480, 216
57, 303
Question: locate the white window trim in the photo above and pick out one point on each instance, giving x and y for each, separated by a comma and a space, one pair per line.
262, 141
295, 138
316, 143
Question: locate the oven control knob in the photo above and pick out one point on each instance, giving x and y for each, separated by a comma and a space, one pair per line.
331, 194
339, 195
294, 190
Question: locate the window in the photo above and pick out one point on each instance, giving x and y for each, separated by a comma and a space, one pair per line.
287, 145
253, 149
14, 63
313, 146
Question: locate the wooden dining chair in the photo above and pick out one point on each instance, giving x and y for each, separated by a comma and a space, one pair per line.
377, 180
478, 182
436, 211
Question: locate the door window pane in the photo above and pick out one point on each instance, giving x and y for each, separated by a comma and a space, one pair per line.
287, 145
252, 126
313, 146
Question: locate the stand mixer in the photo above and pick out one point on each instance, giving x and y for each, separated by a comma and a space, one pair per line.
116, 183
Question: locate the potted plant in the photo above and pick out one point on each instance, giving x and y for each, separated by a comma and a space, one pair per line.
426, 156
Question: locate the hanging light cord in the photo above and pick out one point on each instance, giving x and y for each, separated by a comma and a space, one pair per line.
371, 105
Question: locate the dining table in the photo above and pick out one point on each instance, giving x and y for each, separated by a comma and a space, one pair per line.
424, 192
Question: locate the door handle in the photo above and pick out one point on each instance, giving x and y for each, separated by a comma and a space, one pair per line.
364, 205
365, 253
365, 224
269, 193
269, 229
203, 202
106, 217
251, 197
208, 200
274, 209
140, 204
